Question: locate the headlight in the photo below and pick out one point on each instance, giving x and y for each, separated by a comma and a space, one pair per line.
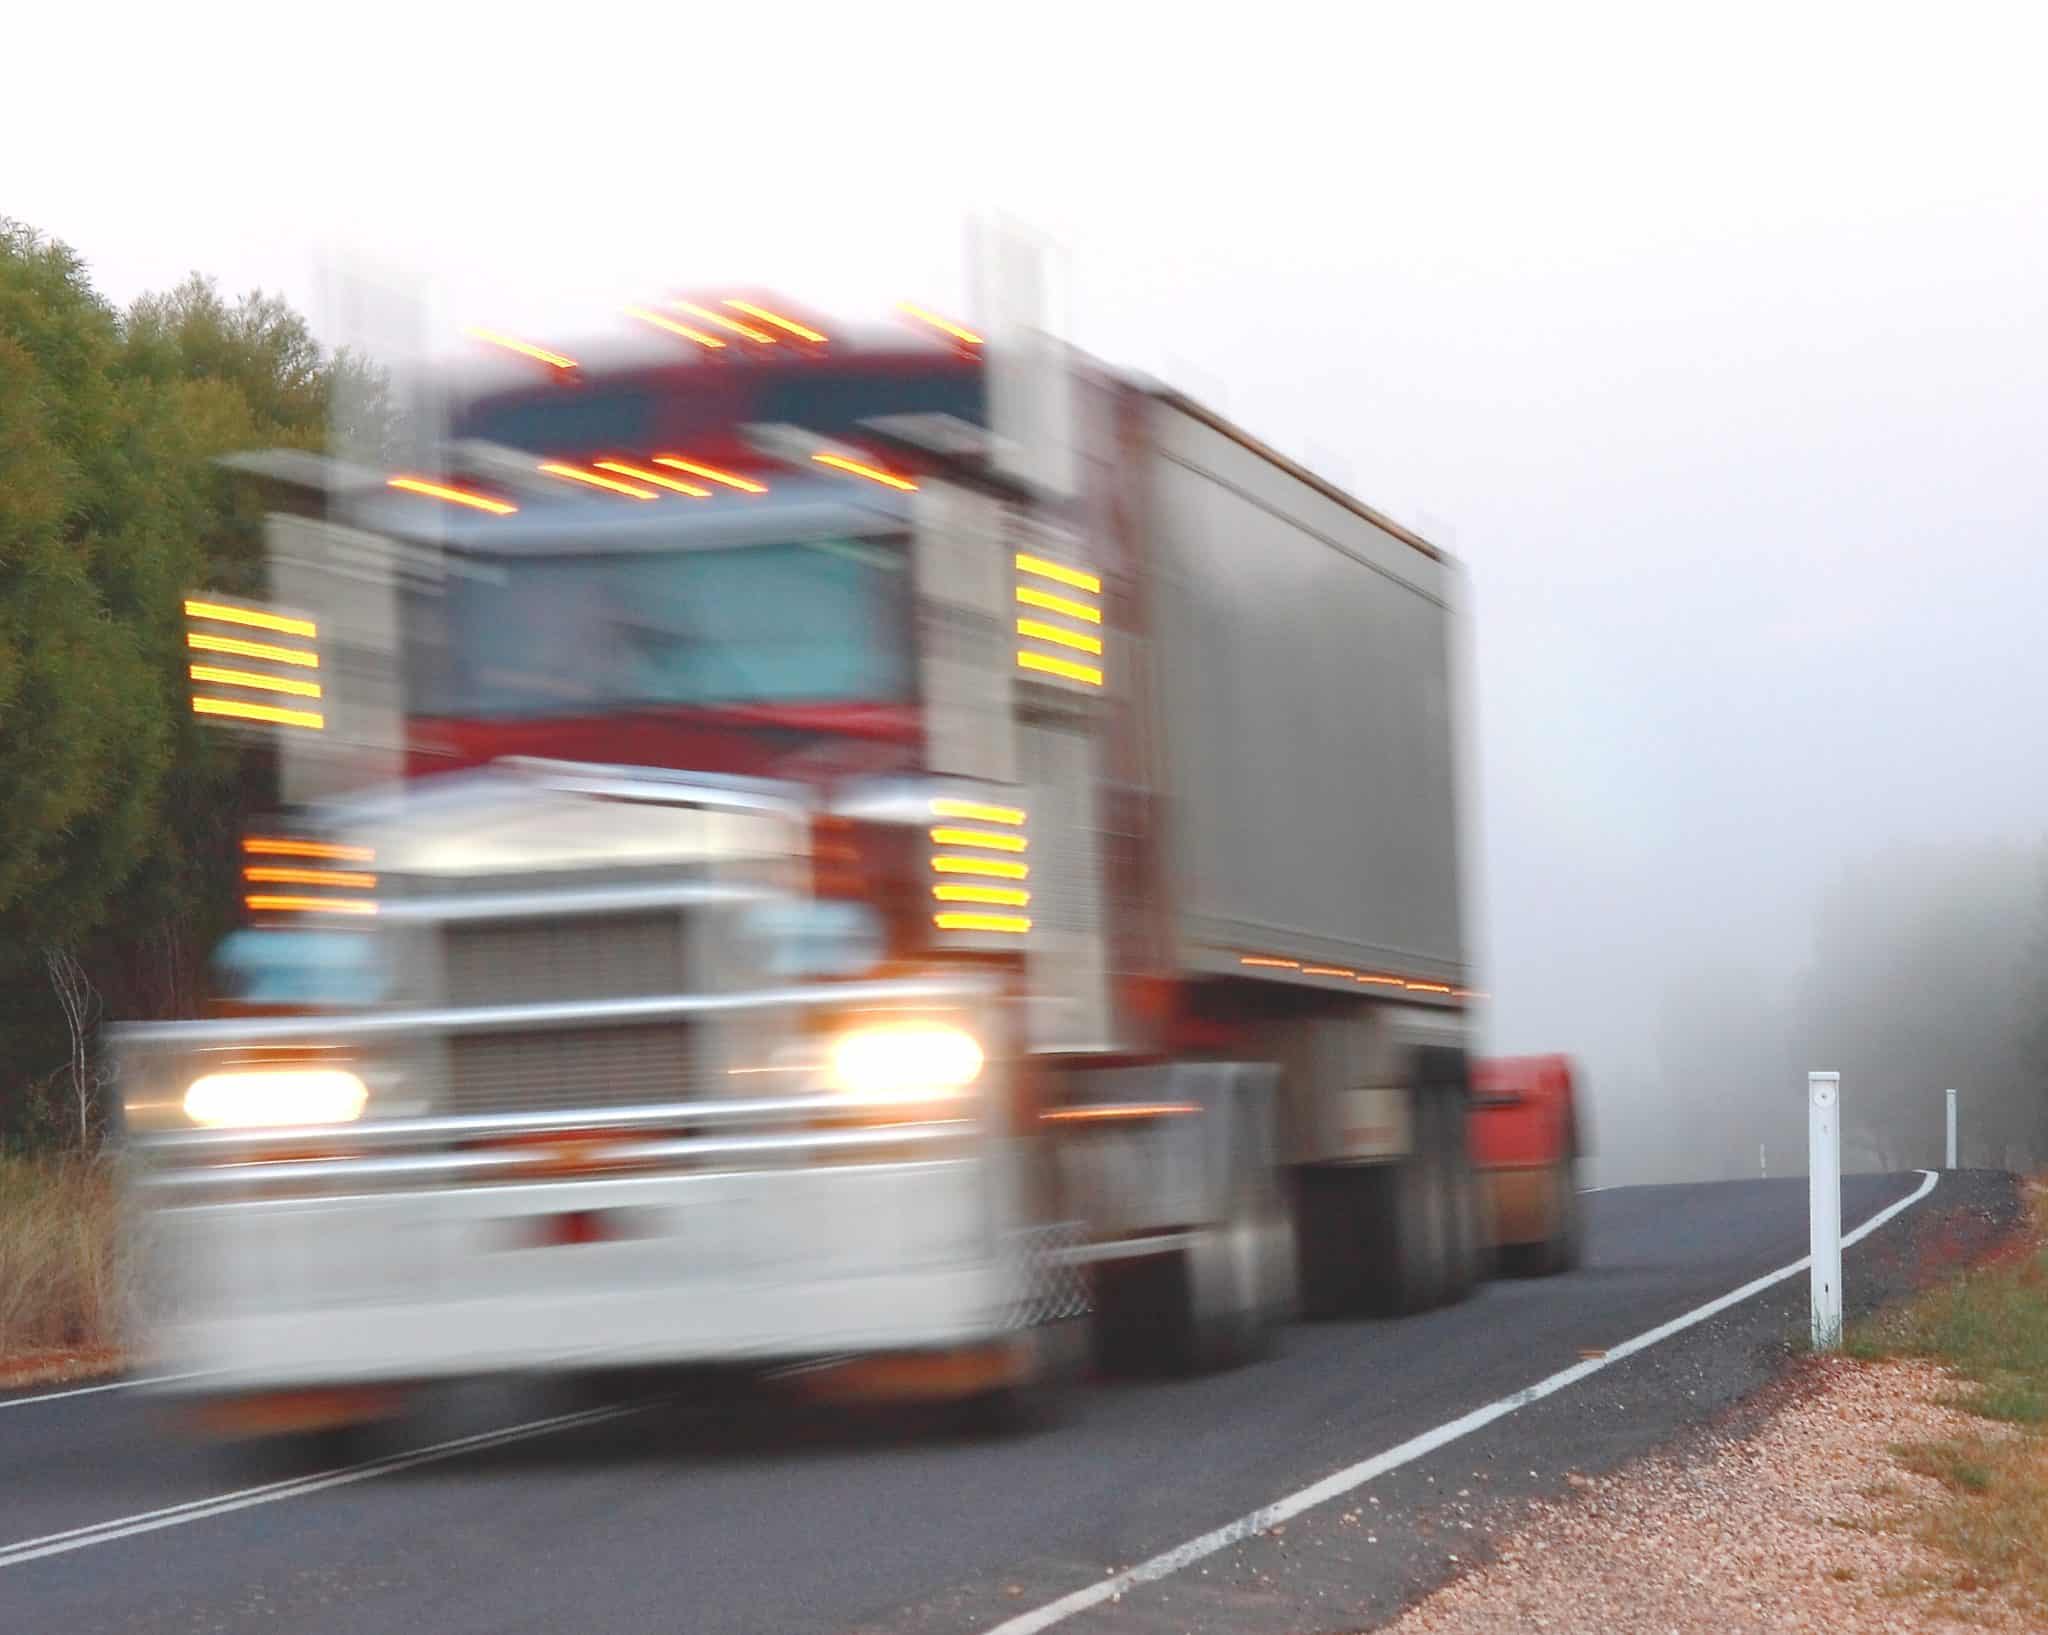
287, 1096
904, 1061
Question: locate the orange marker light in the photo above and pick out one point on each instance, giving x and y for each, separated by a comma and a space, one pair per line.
711, 474
268, 846
523, 348
310, 905
235, 709
632, 490
270, 875
655, 477
675, 328
874, 474
790, 326
939, 323
723, 322
1263, 959
1327, 970
254, 679
454, 496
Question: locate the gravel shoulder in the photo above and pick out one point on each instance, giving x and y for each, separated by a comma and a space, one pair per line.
1790, 1510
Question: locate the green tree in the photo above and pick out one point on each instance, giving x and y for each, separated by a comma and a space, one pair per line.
119, 813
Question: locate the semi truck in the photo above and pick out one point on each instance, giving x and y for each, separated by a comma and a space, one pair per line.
794, 851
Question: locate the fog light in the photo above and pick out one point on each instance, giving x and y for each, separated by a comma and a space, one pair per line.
904, 1061
276, 1096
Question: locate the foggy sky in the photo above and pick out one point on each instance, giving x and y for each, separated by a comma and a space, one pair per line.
1715, 348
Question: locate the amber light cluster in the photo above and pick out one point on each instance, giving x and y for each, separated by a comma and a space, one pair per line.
287, 875
1058, 618
978, 854
237, 656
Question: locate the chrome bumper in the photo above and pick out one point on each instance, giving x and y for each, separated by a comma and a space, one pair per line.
719, 1266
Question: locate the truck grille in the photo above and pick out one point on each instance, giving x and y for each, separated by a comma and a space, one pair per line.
613, 956
570, 1068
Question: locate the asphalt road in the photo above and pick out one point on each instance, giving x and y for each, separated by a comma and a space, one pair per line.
707, 1518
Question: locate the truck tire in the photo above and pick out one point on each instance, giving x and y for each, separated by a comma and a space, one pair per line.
1209, 1306
1330, 1209
1464, 1236
1409, 1213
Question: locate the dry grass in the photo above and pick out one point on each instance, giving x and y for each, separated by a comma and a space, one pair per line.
60, 1298
1989, 1330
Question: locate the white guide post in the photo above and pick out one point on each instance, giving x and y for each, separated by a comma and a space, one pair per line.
1951, 1129
1824, 1204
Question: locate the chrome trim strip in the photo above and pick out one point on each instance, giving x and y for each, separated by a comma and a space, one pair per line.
374, 1025
528, 905
601, 1161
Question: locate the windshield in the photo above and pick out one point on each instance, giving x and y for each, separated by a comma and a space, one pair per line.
821, 622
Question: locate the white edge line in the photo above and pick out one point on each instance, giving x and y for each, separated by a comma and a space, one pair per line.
1343, 1481
110, 1385
149, 1521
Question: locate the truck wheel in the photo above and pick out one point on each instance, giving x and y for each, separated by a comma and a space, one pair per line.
1409, 1219
1463, 1233
1211, 1305
1330, 1209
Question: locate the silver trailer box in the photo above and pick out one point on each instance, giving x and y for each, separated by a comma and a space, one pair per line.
1299, 650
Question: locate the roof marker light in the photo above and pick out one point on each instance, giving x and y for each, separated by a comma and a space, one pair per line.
526, 349
802, 332
655, 477
454, 496
874, 474
633, 490
674, 328
712, 474
932, 318
723, 322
